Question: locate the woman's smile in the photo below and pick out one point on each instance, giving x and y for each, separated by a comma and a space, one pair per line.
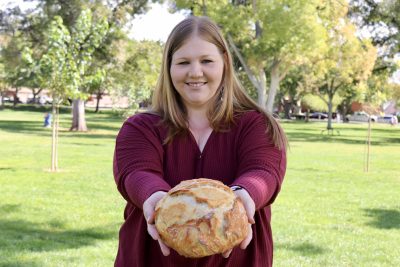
196, 84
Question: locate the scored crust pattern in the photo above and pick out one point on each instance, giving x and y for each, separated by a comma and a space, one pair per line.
201, 217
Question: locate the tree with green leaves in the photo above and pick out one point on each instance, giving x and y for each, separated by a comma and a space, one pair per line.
347, 63
86, 35
57, 74
139, 73
381, 20
115, 13
65, 62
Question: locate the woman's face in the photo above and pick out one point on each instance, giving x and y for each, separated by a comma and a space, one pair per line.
196, 72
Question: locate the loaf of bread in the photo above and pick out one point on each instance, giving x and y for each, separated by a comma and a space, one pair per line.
201, 217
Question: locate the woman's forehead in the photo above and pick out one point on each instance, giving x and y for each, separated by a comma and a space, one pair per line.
196, 45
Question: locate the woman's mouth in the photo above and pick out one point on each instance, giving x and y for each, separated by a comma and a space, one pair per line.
196, 84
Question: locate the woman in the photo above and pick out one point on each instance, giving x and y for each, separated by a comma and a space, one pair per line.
202, 124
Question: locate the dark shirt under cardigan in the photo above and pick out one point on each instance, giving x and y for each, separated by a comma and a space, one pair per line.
243, 156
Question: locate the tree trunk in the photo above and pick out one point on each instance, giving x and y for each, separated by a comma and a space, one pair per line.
307, 118
274, 87
261, 90
16, 97
1, 101
35, 94
287, 105
78, 116
98, 97
54, 138
330, 100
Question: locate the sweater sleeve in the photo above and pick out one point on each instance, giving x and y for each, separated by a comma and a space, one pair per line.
261, 165
138, 160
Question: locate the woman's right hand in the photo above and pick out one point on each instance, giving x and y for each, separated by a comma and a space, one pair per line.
149, 214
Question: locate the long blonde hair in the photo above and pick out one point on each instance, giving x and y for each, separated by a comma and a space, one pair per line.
230, 98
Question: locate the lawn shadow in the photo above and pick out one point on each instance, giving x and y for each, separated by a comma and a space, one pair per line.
383, 218
22, 235
19, 263
315, 136
7, 169
8, 208
35, 128
306, 249
20, 126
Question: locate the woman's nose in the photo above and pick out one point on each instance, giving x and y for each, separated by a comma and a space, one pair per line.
195, 70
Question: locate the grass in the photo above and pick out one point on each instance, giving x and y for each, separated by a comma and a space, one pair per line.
332, 213
329, 213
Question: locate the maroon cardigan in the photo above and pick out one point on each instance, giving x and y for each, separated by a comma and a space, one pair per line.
243, 156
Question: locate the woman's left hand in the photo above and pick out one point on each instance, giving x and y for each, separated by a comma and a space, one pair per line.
149, 214
250, 208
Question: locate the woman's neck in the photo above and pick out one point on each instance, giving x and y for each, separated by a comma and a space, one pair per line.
198, 119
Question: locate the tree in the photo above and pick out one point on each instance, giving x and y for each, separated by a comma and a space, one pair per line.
86, 36
94, 83
57, 75
19, 72
347, 64
139, 71
64, 64
117, 13
381, 20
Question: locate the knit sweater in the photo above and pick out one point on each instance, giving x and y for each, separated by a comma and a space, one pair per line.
244, 156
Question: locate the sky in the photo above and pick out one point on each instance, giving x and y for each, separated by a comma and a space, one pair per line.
155, 25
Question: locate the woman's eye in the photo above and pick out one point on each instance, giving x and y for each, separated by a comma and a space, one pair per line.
207, 61
183, 63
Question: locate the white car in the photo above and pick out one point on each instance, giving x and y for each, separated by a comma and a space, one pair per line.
361, 116
391, 119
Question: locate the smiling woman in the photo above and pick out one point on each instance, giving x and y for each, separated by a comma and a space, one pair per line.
202, 125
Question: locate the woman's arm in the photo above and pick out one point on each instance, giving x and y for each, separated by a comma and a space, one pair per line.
138, 160
262, 165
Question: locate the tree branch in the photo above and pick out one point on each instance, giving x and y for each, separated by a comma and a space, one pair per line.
250, 74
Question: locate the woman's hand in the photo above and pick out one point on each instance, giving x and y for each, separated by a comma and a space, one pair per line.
148, 211
250, 208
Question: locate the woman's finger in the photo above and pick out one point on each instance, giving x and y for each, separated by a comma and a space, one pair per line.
164, 249
226, 254
151, 218
151, 229
247, 240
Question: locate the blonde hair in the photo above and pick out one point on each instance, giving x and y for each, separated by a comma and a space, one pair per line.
230, 98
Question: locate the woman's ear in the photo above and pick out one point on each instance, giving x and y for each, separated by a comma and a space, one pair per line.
225, 58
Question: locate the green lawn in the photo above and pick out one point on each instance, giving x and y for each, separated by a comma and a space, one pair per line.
329, 213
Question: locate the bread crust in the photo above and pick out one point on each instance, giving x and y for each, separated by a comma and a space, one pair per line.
201, 217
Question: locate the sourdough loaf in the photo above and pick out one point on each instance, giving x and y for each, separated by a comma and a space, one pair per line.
201, 217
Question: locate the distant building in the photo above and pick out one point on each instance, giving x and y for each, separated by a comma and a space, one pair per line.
389, 107
357, 106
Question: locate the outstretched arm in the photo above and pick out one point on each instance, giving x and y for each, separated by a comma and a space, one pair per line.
138, 160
